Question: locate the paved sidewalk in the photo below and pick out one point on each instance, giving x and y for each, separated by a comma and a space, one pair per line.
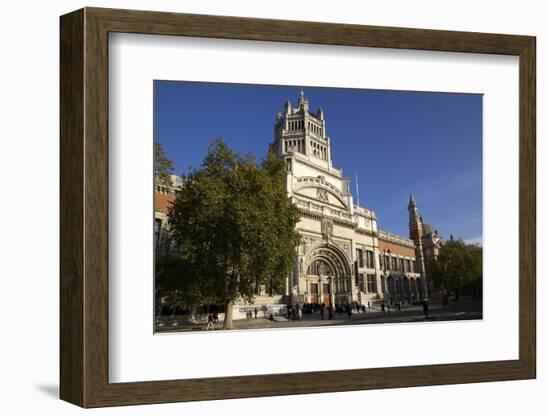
470, 309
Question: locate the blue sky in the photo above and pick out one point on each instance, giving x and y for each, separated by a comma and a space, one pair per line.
397, 142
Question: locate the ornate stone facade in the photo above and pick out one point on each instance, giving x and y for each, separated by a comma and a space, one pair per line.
343, 257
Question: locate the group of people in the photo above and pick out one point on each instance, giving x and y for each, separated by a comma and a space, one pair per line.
386, 307
297, 311
251, 312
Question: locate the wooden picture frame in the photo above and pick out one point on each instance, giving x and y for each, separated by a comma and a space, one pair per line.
84, 207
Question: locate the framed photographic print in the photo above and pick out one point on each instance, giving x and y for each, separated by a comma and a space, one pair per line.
256, 207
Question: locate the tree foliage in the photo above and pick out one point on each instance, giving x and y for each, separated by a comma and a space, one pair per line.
458, 266
235, 226
174, 289
163, 167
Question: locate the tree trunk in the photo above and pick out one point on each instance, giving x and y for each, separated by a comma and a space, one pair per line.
228, 319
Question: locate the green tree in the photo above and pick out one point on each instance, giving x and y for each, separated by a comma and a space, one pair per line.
163, 167
174, 289
458, 266
235, 226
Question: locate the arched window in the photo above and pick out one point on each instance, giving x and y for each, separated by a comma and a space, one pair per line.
318, 267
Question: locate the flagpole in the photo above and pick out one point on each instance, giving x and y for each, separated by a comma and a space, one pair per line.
357, 188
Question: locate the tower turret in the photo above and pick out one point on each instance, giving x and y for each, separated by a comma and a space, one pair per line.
415, 220
299, 131
303, 103
416, 233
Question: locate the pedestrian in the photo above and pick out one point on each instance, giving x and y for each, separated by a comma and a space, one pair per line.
255, 313
210, 325
322, 310
399, 306
425, 308
383, 307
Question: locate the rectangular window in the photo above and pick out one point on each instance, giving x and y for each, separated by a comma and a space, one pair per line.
408, 265
362, 282
371, 283
360, 260
401, 265
386, 262
370, 259
394, 263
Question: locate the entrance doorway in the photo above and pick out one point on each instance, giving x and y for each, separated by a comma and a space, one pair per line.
314, 293
326, 294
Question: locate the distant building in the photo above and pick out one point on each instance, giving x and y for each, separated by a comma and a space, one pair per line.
343, 256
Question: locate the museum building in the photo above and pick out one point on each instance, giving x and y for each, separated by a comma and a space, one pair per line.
343, 255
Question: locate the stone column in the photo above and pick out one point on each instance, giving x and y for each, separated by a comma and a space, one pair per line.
331, 291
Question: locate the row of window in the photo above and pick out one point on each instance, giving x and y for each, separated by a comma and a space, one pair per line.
319, 150
397, 264
315, 129
294, 145
295, 125
163, 189
365, 258
402, 288
319, 267
367, 284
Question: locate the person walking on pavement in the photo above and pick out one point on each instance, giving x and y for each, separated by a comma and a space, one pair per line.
426, 308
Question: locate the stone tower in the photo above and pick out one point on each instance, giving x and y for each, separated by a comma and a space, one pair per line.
299, 130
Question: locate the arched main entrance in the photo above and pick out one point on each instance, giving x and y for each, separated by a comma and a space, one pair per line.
327, 275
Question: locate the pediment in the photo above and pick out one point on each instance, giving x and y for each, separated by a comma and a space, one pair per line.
322, 194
